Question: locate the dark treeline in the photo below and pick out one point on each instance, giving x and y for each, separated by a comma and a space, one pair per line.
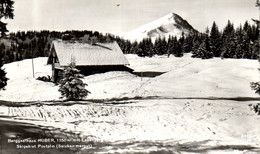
31, 44
241, 42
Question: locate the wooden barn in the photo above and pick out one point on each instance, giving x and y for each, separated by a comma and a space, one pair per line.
89, 58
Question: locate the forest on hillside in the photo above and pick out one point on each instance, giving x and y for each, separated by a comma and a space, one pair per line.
231, 42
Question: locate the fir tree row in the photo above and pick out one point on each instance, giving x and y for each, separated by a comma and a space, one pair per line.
241, 42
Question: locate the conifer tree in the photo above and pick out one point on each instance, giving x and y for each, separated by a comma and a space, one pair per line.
141, 49
177, 48
238, 41
3, 78
204, 50
6, 11
163, 46
256, 85
134, 48
149, 47
255, 50
187, 44
157, 46
170, 46
71, 85
174, 47
200, 52
195, 47
127, 47
246, 40
228, 38
215, 40
246, 45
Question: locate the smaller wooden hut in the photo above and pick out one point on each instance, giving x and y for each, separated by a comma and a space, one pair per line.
89, 58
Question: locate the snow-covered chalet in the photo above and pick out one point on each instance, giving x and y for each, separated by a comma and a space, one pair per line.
89, 58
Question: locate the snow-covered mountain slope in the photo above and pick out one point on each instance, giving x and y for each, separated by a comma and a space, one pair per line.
169, 25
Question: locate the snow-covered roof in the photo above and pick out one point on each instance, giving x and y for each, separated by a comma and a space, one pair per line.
84, 54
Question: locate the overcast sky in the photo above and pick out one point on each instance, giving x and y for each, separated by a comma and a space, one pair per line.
120, 16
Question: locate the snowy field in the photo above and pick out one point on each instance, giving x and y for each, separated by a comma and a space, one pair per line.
196, 107
184, 77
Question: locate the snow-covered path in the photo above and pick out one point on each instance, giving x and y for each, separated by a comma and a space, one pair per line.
200, 125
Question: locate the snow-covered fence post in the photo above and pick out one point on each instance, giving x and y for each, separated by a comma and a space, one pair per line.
33, 68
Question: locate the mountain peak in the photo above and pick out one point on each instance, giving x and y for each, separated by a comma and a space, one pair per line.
169, 25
